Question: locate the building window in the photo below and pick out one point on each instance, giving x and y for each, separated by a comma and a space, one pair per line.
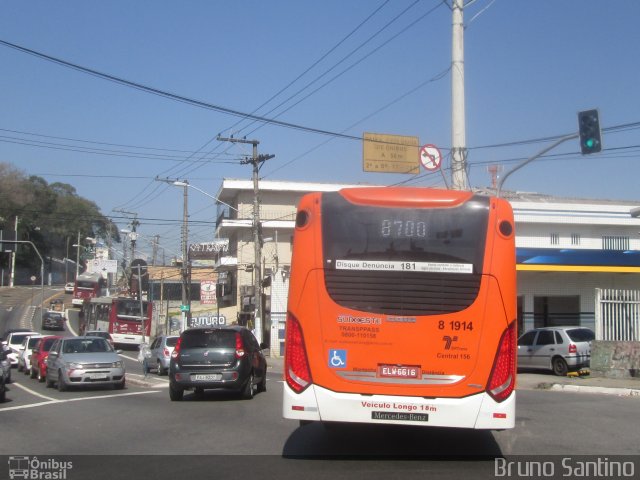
575, 239
555, 239
615, 243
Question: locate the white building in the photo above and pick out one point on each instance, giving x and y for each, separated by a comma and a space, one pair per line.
566, 248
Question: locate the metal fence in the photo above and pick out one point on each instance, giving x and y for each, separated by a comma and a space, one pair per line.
617, 315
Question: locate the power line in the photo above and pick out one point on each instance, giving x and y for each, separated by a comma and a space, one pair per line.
173, 96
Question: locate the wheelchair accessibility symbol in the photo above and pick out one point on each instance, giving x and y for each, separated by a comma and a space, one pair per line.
337, 358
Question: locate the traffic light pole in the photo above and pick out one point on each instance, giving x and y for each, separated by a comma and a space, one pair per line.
531, 159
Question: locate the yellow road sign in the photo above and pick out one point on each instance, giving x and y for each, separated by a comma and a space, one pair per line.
390, 153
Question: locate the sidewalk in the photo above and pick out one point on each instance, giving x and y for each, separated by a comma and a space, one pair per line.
585, 384
526, 381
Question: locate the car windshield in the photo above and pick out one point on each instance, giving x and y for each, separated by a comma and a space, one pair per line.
18, 339
86, 345
47, 344
32, 342
581, 335
209, 339
171, 341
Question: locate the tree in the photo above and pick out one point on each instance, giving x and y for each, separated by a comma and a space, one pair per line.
50, 215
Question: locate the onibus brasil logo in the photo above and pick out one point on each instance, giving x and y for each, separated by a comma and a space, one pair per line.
38, 469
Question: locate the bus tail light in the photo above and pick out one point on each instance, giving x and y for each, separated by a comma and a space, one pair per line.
502, 380
176, 349
239, 346
296, 364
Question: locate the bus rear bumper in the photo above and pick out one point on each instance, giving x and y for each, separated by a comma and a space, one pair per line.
478, 411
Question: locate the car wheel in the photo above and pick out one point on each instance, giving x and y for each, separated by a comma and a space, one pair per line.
159, 370
49, 383
247, 390
62, 385
20, 368
175, 394
3, 394
560, 367
262, 386
41, 377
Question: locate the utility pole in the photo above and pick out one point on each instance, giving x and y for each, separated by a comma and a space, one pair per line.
133, 235
256, 161
459, 179
156, 242
185, 270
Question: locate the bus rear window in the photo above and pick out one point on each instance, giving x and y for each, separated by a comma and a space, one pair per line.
403, 261
130, 309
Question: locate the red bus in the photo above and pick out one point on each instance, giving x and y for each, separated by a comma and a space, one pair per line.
121, 317
402, 309
86, 286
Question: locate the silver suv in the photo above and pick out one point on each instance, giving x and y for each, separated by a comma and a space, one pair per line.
559, 349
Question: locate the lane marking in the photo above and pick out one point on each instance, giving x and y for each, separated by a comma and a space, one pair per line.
77, 399
33, 392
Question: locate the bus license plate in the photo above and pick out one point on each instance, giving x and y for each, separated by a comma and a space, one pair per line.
206, 377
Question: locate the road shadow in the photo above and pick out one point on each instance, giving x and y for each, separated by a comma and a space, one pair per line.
362, 441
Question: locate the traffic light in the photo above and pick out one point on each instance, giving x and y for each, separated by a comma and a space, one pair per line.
590, 135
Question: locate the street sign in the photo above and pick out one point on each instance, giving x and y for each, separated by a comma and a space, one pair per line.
390, 153
430, 157
184, 308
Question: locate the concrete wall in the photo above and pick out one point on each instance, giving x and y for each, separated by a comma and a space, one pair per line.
615, 359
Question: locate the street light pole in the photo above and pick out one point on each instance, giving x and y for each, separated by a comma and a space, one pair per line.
78, 256
186, 287
18, 242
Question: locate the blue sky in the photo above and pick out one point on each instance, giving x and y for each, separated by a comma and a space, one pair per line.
530, 67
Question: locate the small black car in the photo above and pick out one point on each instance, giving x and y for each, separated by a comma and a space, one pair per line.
52, 321
225, 357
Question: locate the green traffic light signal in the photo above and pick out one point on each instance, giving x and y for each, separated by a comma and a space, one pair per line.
590, 134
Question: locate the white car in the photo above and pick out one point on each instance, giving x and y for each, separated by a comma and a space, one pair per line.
68, 288
26, 349
13, 341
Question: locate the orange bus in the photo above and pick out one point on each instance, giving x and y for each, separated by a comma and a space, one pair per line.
402, 309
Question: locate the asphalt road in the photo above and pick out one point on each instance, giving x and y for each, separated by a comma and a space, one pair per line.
219, 435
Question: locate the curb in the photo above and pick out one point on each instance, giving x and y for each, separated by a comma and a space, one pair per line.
142, 382
621, 392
